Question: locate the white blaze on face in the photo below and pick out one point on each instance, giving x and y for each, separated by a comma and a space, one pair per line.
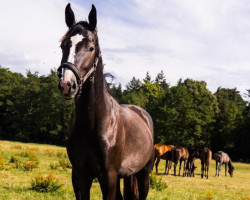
72, 52
71, 58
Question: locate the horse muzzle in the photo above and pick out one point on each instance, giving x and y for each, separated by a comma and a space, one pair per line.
69, 80
68, 89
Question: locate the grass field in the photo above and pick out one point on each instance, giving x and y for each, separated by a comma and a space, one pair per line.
17, 172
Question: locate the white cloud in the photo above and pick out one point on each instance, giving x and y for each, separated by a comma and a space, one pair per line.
205, 40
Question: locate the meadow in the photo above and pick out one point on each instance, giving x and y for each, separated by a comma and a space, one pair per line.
20, 163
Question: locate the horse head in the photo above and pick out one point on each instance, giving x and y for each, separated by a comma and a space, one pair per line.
231, 171
80, 53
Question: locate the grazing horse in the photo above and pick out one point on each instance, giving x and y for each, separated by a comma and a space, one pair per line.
162, 151
107, 141
206, 157
193, 154
223, 158
179, 153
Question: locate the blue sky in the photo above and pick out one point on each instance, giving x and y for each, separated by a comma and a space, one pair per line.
204, 40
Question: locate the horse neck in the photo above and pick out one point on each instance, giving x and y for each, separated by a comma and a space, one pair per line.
92, 104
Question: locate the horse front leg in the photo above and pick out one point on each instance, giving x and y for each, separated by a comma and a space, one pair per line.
184, 167
81, 185
169, 167
219, 169
175, 164
207, 170
226, 169
156, 165
166, 166
143, 183
108, 183
130, 190
180, 168
118, 190
202, 169
216, 165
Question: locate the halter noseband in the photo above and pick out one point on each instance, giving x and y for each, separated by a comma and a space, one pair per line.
80, 80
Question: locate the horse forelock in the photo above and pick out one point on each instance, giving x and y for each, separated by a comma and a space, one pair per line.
81, 26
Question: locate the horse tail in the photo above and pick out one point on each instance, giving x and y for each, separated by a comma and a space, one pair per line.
131, 190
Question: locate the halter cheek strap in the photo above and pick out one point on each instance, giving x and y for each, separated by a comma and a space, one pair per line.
75, 70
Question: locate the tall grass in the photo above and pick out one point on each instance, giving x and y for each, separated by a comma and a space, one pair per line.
15, 183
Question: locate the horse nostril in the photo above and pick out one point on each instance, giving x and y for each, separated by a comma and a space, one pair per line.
74, 86
68, 84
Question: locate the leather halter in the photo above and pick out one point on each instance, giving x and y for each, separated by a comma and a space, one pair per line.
75, 70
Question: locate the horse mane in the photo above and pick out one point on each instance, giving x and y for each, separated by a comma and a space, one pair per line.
230, 164
108, 84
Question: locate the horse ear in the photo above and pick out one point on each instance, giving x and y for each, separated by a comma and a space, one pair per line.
69, 16
92, 18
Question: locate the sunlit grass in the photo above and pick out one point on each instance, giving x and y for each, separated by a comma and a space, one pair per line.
15, 183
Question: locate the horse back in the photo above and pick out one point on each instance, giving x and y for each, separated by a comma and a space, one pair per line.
206, 155
222, 157
161, 149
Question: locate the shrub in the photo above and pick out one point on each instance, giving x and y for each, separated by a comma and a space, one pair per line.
156, 183
30, 165
17, 147
209, 195
61, 154
64, 163
45, 184
53, 165
13, 159
1, 162
31, 155
50, 152
16, 165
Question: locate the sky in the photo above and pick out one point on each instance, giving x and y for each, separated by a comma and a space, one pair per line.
206, 40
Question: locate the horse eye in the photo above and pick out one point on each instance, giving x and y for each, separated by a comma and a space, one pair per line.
91, 49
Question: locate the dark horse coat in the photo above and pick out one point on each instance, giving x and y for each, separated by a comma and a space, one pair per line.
179, 153
206, 157
107, 141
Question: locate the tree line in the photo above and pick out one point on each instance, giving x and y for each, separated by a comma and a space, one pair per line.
31, 110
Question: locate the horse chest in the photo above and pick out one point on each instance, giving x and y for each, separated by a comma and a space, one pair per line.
82, 154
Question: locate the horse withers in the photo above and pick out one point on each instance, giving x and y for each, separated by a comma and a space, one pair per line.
206, 157
179, 154
107, 141
162, 151
223, 158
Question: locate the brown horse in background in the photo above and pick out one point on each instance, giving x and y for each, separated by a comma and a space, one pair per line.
179, 153
223, 158
162, 151
206, 157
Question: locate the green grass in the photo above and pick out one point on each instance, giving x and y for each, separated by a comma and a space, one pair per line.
15, 183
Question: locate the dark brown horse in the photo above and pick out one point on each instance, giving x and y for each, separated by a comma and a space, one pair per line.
162, 151
190, 167
107, 141
179, 153
223, 158
206, 157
